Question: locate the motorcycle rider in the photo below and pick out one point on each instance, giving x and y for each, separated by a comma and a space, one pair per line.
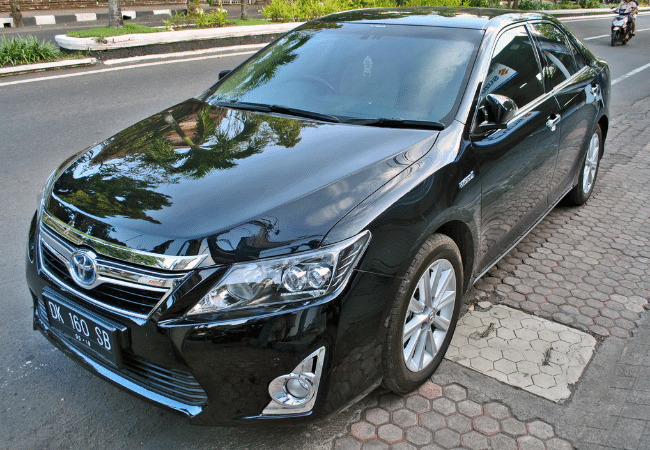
629, 7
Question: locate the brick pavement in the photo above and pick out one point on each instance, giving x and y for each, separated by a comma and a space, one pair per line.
586, 268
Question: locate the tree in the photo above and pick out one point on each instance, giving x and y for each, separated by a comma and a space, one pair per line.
115, 19
15, 13
244, 10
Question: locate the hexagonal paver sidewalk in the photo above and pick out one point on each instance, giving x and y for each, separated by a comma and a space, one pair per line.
443, 417
534, 354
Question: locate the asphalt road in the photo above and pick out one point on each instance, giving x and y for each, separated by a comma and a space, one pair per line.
47, 401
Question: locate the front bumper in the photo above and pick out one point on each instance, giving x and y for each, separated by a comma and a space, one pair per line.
218, 372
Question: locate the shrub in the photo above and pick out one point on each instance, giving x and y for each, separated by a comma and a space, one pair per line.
25, 50
529, 5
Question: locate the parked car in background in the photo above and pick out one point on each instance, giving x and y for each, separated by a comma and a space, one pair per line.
305, 229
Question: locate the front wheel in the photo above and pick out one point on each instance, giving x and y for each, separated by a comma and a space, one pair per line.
587, 180
614, 36
424, 316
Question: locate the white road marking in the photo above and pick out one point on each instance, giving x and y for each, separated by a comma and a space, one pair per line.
219, 50
629, 74
609, 35
113, 69
599, 16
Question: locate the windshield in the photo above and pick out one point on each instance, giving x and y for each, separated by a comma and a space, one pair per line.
358, 71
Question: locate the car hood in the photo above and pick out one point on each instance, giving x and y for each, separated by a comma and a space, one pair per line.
201, 179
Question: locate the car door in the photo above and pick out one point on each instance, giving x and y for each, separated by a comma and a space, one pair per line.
573, 83
515, 164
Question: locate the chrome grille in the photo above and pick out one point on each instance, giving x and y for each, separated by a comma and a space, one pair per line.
119, 287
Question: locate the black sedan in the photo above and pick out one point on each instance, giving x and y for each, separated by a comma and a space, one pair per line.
305, 230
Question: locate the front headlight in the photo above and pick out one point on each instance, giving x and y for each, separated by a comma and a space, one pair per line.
307, 276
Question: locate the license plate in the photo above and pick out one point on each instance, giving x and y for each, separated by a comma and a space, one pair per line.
91, 333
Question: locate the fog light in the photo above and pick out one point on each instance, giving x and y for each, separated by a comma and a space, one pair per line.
295, 392
298, 388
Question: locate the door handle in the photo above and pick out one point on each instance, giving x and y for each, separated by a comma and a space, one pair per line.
552, 121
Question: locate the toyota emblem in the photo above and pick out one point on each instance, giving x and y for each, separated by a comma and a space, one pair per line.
83, 268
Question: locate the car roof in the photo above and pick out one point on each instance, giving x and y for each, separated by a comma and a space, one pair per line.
470, 18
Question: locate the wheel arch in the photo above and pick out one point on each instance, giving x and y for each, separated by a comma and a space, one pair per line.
461, 234
603, 122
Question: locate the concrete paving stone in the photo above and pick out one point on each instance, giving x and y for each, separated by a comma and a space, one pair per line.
363, 431
418, 403
455, 392
505, 366
430, 390
502, 377
374, 444
447, 438
391, 402
541, 430
469, 408
558, 444
513, 427
418, 435
460, 423
475, 441
346, 443
486, 425
390, 433
502, 442
530, 443
405, 418
496, 411
443, 406
403, 446
377, 416
432, 420
431, 447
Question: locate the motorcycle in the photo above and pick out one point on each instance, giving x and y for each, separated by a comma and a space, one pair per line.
620, 28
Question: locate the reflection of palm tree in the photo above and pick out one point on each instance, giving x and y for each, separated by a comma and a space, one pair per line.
265, 66
122, 174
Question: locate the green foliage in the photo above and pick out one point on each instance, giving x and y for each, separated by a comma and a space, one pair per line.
177, 21
103, 32
300, 10
529, 5
203, 19
26, 50
590, 4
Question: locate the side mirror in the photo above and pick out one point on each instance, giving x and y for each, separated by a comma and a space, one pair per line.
223, 73
496, 110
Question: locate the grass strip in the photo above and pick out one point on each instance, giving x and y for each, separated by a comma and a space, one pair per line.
103, 32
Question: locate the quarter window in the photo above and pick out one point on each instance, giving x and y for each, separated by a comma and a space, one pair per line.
557, 52
514, 71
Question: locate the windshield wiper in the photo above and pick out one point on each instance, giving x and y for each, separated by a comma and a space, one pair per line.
280, 109
399, 123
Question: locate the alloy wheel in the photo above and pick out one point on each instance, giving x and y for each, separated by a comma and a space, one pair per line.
591, 164
429, 315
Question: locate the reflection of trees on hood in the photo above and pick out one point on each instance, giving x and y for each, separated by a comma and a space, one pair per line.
106, 192
120, 176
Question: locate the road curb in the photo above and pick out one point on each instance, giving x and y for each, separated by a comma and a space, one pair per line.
29, 68
170, 37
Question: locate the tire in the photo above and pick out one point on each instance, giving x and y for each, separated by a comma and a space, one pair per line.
588, 171
614, 38
411, 356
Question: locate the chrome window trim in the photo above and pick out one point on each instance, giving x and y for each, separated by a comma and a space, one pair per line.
128, 255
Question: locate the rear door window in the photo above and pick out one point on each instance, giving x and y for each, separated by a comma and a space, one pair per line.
558, 54
514, 70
